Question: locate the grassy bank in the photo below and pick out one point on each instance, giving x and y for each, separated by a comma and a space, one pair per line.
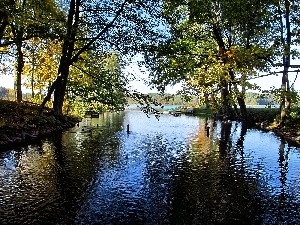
20, 122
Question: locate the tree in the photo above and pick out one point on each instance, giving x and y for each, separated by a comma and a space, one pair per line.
287, 12
105, 25
285, 29
97, 82
215, 46
42, 62
28, 19
286, 39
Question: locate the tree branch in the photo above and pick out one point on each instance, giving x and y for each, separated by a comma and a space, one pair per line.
94, 77
105, 29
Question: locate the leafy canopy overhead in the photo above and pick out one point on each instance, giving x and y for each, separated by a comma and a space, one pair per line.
212, 42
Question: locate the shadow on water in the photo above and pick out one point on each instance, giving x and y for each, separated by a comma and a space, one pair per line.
218, 186
46, 183
210, 190
175, 170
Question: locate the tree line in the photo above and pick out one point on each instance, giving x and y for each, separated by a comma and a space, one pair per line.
216, 47
73, 53
251, 98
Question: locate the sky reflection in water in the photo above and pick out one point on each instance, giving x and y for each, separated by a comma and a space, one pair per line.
165, 171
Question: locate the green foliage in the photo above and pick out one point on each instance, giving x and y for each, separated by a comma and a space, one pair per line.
170, 99
209, 46
259, 115
216, 47
31, 18
278, 94
293, 119
97, 82
295, 114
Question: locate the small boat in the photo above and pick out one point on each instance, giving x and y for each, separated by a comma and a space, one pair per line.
95, 115
175, 113
190, 111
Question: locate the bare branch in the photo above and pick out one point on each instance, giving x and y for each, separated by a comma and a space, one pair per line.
105, 29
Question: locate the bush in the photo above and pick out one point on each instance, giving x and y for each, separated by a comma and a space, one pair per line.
259, 115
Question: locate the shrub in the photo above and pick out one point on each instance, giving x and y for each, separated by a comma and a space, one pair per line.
258, 115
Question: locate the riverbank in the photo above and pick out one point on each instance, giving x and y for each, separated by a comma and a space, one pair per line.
267, 119
20, 123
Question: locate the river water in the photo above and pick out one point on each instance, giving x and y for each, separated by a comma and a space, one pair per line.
175, 170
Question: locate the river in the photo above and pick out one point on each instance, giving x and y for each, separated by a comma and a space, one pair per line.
175, 170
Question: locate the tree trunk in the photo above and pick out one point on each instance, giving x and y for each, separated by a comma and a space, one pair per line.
241, 98
66, 58
20, 66
59, 93
285, 104
32, 73
32, 85
226, 110
243, 108
50, 91
18, 33
59, 85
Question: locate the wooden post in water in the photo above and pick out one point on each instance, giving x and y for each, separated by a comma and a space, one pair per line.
207, 131
207, 127
128, 129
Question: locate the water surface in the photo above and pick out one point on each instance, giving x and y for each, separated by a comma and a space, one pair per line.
175, 170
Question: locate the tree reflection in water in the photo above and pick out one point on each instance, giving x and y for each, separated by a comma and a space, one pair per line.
159, 173
218, 187
212, 189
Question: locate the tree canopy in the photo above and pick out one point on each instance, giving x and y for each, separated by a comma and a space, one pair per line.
77, 48
216, 47
75, 51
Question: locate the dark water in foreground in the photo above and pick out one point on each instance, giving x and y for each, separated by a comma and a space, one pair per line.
163, 172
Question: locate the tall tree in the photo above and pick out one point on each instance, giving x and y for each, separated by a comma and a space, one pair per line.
286, 40
28, 19
18, 30
285, 29
102, 25
287, 12
215, 45
40, 69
